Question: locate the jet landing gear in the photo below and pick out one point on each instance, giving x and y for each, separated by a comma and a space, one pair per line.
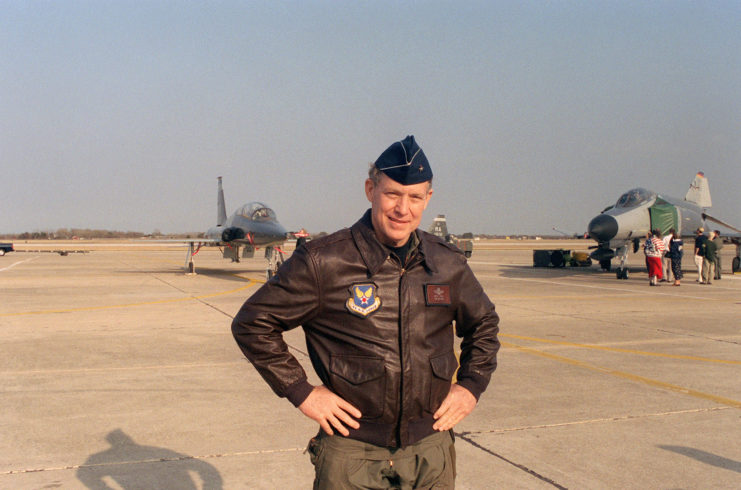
275, 259
622, 271
190, 266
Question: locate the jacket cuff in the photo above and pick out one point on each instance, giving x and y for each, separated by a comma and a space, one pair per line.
474, 383
298, 392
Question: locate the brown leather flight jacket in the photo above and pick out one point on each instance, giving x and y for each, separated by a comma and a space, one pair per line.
378, 335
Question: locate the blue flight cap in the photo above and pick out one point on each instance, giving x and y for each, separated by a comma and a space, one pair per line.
405, 162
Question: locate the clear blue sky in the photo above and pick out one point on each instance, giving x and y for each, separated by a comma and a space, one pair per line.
121, 114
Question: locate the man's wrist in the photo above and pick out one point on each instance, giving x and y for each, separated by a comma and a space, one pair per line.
475, 384
298, 392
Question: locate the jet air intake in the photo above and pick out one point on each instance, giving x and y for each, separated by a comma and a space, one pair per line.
603, 228
232, 233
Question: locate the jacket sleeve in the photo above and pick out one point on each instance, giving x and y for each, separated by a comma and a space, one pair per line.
477, 323
287, 300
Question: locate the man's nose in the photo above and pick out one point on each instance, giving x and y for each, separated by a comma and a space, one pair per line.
402, 205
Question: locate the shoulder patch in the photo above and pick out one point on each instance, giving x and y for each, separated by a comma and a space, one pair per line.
363, 299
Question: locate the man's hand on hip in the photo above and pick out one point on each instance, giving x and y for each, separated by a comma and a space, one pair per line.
329, 410
456, 406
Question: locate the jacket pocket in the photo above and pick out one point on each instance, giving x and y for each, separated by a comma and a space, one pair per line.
361, 381
443, 368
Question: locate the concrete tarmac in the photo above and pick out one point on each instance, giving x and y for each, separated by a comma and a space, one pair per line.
117, 370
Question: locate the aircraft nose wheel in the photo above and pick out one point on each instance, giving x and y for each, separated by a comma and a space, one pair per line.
622, 273
275, 260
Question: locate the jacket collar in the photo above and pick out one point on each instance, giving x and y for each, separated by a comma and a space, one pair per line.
374, 253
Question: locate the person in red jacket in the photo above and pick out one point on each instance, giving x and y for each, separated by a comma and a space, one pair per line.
654, 250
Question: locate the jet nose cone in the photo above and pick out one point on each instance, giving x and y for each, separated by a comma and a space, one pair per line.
603, 228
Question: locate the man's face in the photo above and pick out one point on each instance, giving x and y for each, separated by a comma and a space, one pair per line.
396, 209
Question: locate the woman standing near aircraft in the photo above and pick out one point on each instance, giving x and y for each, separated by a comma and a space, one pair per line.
654, 249
675, 255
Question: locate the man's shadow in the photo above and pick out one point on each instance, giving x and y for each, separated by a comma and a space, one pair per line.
130, 465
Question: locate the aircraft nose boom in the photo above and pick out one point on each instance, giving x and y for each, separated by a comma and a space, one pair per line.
603, 228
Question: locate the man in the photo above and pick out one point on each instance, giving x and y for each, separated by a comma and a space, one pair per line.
699, 241
708, 262
379, 304
718, 240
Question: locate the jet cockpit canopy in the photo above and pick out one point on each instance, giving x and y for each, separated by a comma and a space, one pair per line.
634, 198
257, 211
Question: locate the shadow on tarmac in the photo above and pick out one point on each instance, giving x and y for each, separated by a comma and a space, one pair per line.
705, 457
131, 465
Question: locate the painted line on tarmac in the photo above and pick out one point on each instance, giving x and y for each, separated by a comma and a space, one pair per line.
595, 421
632, 377
617, 349
17, 263
111, 369
150, 461
251, 282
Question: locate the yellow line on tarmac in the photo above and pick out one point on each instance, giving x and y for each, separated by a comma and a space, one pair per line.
632, 377
626, 351
251, 283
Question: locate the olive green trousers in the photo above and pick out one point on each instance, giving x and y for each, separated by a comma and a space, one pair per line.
342, 463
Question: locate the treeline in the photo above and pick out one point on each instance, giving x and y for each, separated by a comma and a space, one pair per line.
87, 234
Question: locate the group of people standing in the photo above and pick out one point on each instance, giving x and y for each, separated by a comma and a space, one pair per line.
664, 256
707, 256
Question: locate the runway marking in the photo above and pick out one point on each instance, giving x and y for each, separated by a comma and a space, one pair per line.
121, 368
17, 263
149, 461
617, 349
251, 282
632, 377
595, 421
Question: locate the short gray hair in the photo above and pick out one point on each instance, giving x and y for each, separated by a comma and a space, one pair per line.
374, 174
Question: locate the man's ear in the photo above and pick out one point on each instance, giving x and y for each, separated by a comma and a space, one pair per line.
369, 186
427, 201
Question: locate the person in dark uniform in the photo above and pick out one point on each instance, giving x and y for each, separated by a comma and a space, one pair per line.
708, 263
675, 255
718, 240
700, 239
380, 303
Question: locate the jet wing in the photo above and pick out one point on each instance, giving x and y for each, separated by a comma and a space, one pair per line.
716, 220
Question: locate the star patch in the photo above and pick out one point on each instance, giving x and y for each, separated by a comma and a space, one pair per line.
437, 294
363, 300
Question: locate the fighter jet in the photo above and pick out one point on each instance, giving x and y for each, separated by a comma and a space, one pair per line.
639, 211
439, 228
251, 226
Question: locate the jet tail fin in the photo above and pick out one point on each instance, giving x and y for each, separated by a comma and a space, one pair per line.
220, 206
439, 227
699, 191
